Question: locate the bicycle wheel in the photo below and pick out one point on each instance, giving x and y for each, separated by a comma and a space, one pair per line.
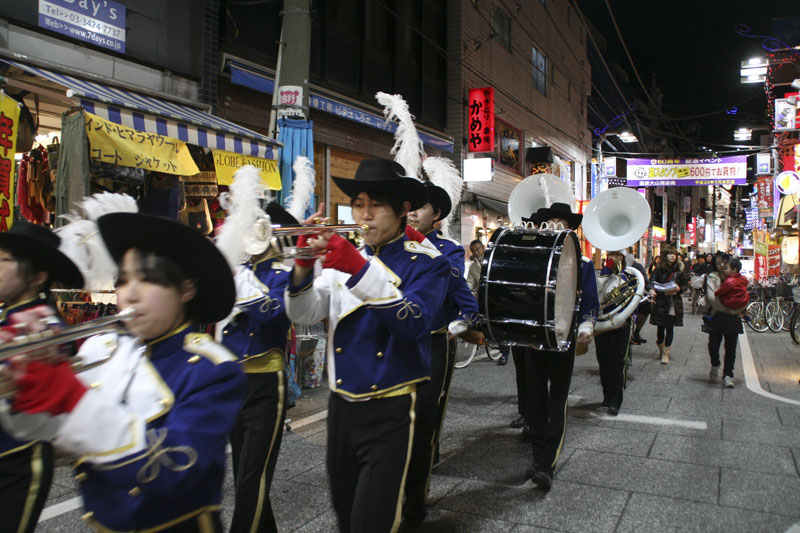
787, 306
774, 316
794, 327
465, 353
755, 316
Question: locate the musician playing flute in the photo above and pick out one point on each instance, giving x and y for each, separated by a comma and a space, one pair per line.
150, 425
29, 262
256, 333
458, 312
380, 303
612, 346
548, 374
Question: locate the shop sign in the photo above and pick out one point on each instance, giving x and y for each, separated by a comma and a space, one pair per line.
773, 260
786, 114
789, 250
763, 163
290, 101
9, 121
480, 118
692, 230
764, 190
127, 147
478, 169
788, 182
659, 234
227, 163
99, 22
611, 167
691, 171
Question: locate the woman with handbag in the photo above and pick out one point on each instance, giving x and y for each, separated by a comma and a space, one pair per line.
669, 282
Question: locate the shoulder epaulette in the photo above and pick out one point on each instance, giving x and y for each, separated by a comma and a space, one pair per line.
280, 266
586, 259
204, 345
448, 239
416, 248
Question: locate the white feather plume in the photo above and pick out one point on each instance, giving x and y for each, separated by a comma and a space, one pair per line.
242, 205
302, 188
81, 240
408, 149
443, 173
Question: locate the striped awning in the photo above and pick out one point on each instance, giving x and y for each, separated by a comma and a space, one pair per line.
151, 115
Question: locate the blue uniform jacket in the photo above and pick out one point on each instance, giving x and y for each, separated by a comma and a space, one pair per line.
179, 470
9, 444
259, 325
380, 318
590, 304
460, 303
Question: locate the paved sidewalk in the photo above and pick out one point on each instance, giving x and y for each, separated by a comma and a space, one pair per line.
683, 454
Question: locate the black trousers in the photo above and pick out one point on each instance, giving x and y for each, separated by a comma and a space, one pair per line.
518, 353
25, 479
547, 379
430, 409
369, 448
714, 342
612, 348
664, 333
255, 443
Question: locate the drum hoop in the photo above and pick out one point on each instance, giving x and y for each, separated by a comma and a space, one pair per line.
486, 285
547, 290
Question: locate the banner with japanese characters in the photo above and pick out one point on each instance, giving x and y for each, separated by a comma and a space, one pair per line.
691, 171
480, 120
227, 163
120, 145
9, 121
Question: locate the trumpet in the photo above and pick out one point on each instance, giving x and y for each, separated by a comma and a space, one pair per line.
263, 235
45, 339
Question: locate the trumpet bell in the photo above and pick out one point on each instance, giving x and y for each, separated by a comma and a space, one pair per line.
616, 218
537, 192
258, 237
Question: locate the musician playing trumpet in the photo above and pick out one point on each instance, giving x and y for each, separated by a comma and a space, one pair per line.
150, 425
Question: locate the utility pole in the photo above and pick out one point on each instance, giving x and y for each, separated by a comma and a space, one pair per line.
290, 97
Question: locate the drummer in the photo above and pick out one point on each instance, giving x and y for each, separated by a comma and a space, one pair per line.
380, 303
547, 374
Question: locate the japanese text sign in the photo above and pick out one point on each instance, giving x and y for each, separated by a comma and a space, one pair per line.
480, 120
9, 120
127, 147
100, 22
693, 171
227, 163
764, 194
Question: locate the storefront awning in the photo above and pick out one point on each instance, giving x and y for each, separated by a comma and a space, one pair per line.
151, 115
258, 80
492, 205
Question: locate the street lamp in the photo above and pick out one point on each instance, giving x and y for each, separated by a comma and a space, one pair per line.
627, 137
754, 70
743, 134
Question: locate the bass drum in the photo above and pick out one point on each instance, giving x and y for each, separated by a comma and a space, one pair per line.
529, 290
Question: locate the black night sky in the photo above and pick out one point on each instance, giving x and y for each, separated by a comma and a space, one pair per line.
695, 54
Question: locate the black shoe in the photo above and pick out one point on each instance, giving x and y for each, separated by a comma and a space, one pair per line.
540, 478
613, 410
636, 341
503, 360
518, 423
605, 403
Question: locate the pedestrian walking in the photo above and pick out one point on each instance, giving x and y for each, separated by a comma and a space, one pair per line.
668, 283
723, 323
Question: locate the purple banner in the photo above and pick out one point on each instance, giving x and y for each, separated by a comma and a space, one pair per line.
686, 172
100, 22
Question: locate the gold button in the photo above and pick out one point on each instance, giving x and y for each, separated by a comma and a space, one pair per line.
194, 359
95, 385
83, 476
374, 387
413, 257
251, 334
379, 354
135, 491
224, 332
339, 381
338, 350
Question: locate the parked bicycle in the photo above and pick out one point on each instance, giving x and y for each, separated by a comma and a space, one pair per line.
466, 352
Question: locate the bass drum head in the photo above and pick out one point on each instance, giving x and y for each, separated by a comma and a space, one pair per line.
564, 309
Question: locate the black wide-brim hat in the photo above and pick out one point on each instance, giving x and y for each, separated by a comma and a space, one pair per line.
439, 199
199, 258
40, 246
556, 210
385, 176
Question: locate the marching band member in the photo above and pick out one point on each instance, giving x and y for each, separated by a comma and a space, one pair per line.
380, 303
29, 262
256, 332
460, 309
611, 346
149, 425
548, 374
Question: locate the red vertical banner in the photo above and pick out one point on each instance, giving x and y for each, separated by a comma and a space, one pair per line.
480, 120
692, 229
765, 194
773, 260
